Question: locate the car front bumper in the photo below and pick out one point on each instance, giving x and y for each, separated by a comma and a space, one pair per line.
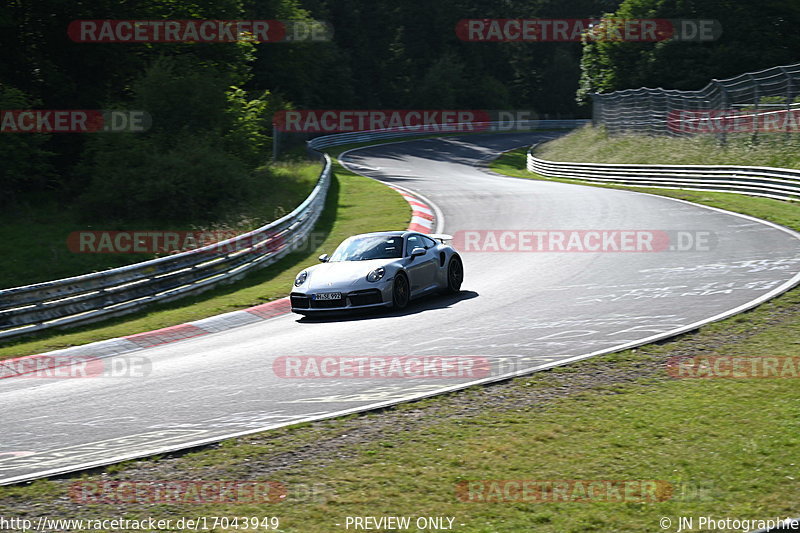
357, 299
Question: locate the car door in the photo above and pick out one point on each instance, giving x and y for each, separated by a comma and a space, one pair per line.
421, 270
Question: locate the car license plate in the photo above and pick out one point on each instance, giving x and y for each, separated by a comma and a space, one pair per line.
328, 296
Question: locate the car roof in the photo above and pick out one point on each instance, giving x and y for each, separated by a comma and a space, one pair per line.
396, 233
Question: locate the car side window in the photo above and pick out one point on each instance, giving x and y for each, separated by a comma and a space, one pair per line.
428, 242
392, 247
414, 241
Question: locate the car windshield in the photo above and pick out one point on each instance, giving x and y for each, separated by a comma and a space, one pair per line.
369, 247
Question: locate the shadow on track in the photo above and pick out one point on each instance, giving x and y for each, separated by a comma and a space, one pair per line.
442, 301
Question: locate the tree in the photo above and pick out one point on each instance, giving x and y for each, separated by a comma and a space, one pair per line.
755, 35
26, 163
205, 141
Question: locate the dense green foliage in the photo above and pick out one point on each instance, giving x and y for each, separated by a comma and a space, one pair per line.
755, 36
25, 163
208, 134
407, 55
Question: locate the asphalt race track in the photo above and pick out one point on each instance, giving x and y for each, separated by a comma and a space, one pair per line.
521, 310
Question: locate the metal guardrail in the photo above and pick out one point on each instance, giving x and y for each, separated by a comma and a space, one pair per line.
447, 129
771, 95
776, 183
114, 292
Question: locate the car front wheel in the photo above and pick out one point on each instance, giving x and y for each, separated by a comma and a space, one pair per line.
400, 292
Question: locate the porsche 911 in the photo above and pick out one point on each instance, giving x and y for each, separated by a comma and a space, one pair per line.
383, 269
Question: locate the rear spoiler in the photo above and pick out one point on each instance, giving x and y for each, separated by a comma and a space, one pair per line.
441, 237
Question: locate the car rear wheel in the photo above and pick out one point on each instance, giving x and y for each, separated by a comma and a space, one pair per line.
400, 292
455, 274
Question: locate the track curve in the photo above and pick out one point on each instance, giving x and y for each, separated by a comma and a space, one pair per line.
523, 311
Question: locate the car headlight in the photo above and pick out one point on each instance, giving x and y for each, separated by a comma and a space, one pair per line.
376, 274
301, 278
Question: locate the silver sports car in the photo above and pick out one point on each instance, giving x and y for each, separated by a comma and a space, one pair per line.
385, 269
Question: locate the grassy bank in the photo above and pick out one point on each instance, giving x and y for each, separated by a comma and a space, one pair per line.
34, 231
728, 447
593, 145
355, 205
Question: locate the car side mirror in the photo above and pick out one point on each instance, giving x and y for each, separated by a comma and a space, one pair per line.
324, 258
416, 252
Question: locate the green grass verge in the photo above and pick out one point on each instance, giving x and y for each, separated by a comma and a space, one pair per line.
729, 447
355, 205
593, 145
34, 231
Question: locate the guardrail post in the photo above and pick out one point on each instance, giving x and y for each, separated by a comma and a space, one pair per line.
756, 98
723, 135
789, 98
